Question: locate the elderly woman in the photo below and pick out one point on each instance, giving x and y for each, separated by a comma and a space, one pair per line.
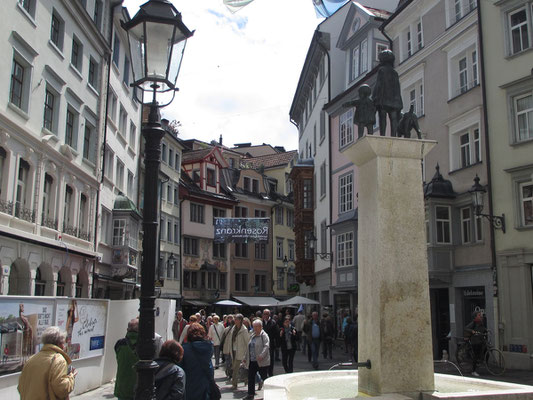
45, 375
197, 363
169, 377
257, 356
216, 332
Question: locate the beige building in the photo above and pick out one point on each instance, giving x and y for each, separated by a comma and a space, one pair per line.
507, 28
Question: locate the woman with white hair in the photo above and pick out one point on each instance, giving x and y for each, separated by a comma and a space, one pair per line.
46, 375
216, 332
257, 356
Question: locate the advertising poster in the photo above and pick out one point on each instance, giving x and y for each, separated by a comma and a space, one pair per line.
241, 230
22, 322
85, 323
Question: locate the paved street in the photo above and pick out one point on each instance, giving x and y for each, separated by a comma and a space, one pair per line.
301, 364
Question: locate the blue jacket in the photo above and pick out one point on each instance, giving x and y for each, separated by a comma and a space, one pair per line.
196, 363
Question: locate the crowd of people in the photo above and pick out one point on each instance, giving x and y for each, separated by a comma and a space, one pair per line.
246, 347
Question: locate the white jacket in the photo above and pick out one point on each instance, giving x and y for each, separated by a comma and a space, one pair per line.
216, 331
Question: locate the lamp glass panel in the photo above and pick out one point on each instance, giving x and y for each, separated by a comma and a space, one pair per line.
158, 38
135, 35
177, 55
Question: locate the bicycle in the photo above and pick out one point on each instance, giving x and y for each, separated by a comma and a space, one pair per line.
492, 357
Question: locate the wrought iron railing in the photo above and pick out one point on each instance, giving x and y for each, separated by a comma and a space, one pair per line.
24, 213
70, 230
49, 223
85, 236
6, 206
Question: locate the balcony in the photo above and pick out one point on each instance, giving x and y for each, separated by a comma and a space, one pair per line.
77, 232
24, 213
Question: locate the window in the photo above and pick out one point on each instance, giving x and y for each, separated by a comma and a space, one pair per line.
40, 284
279, 215
412, 39
307, 193
197, 213
113, 106
346, 193
47, 214
526, 203
519, 26
290, 218
260, 283
109, 163
219, 250
22, 184
466, 224
126, 72
211, 179
323, 179
246, 184
346, 128
255, 186
17, 84
218, 213
119, 181
444, 234
93, 73
71, 129
164, 152
241, 250
76, 57
291, 249
478, 220
97, 15
466, 148
130, 184
119, 232
57, 30
260, 213
260, 251
457, 9
123, 118
345, 250
133, 135
241, 282
355, 63
380, 47
364, 56
116, 50
177, 164
83, 216
279, 248
49, 111
280, 278
170, 158
241, 212
523, 106
169, 231
190, 246
176, 196
464, 70
169, 193
105, 229
28, 6
323, 237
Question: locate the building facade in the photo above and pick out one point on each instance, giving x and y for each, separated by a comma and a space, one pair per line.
51, 130
507, 28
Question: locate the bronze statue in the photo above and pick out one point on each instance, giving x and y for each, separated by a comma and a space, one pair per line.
365, 111
387, 94
408, 122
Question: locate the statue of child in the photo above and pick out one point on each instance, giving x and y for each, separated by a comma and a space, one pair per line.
365, 111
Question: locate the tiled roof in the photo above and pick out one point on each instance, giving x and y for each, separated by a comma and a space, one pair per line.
271, 160
195, 155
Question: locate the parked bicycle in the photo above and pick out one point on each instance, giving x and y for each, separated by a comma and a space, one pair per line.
490, 356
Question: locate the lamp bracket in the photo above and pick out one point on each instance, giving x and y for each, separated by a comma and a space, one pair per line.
497, 221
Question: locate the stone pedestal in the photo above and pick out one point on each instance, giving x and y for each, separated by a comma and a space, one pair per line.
394, 310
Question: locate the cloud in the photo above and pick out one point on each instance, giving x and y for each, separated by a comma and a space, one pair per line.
240, 71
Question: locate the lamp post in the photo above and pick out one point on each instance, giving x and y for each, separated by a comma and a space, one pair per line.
312, 245
477, 192
156, 39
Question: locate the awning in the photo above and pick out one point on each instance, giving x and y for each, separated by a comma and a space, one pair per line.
229, 303
208, 267
297, 300
257, 301
198, 303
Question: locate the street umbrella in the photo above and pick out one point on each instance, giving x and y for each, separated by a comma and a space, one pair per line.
230, 303
297, 300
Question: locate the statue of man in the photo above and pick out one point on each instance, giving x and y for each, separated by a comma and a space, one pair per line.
408, 122
387, 95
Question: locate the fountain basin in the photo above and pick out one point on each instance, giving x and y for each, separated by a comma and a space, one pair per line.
330, 385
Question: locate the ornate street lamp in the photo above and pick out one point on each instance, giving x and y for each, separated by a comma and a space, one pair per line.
477, 192
156, 38
312, 245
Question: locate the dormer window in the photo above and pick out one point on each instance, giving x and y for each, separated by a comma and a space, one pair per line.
246, 184
196, 176
211, 177
255, 186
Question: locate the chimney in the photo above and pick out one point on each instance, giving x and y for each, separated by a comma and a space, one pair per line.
220, 140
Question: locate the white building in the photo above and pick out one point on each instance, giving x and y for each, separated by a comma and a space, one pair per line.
53, 78
120, 221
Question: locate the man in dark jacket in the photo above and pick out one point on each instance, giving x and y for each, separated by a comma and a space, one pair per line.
126, 354
327, 333
475, 332
271, 328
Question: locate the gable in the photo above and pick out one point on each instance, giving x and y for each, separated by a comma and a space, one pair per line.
356, 18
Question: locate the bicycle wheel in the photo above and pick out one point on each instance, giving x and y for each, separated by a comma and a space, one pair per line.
494, 361
463, 356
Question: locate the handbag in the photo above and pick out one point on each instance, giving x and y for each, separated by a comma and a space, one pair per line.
214, 390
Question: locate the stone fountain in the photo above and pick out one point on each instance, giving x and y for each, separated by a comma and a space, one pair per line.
394, 311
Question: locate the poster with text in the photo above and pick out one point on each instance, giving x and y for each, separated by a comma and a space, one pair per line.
85, 324
22, 322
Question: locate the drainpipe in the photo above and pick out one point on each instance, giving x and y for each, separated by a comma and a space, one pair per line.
489, 178
181, 252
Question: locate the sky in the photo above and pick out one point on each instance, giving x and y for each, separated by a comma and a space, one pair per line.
240, 70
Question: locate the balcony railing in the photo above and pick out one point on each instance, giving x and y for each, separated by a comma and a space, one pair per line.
6, 207
49, 223
24, 213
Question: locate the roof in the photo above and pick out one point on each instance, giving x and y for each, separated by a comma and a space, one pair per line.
271, 160
195, 155
255, 150
439, 187
123, 203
